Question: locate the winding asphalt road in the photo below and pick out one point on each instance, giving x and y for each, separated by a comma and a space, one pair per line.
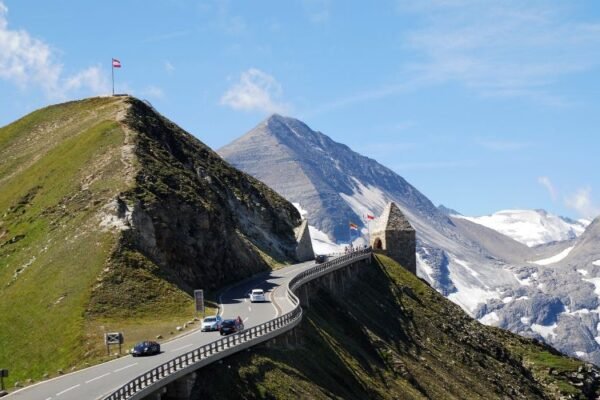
100, 380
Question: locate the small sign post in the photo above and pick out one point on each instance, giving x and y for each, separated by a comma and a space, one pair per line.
3, 374
113, 338
199, 298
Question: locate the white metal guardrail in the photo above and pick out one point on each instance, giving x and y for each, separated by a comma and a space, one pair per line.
184, 364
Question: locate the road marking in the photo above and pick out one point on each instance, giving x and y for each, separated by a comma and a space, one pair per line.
66, 390
273, 303
98, 377
249, 308
127, 366
182, 347
49, 398
221, 305
245, 319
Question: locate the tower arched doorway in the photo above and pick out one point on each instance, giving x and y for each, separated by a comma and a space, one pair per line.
377, 244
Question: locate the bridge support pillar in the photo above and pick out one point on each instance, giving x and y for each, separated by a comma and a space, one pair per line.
158, 395
181, 389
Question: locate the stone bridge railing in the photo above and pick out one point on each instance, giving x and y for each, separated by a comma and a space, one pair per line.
184, 364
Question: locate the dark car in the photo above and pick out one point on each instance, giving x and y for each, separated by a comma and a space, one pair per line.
320, 258
146, 348
231, 326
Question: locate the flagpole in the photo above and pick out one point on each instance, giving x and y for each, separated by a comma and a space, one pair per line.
112, 63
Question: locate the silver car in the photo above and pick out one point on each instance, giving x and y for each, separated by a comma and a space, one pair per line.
257, 295
211, 323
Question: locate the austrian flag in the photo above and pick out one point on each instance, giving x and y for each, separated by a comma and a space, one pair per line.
353, 226
369, 217
116, 63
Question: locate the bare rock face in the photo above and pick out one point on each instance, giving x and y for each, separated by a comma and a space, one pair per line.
490, 275
194, 221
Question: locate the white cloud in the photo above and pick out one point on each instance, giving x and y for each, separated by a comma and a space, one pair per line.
510, 48
581, 202
169, 67
547, 183
255, 91
92, 79
29, 62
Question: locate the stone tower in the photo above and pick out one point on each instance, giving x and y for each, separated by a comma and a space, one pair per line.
395, 237
304, 249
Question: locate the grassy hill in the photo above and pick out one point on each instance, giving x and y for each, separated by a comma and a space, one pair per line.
391, 336
110, 216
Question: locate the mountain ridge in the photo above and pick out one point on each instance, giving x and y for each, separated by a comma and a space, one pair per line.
111, 216
491, 276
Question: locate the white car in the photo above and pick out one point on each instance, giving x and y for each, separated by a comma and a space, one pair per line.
257, 295
212, 323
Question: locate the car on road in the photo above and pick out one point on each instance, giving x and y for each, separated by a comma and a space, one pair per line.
257, 295
145, 348
211, 323
231, 326
320, 258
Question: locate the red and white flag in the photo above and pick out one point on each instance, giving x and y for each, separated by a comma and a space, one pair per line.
116, 63
369, 216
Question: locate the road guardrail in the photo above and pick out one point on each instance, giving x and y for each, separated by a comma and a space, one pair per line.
184, 364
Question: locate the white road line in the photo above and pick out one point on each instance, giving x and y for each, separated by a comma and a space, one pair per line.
245, 319
182, 347
249, 308
98, 377
49, 398
272, 300
221, 305
127, 366
66, 390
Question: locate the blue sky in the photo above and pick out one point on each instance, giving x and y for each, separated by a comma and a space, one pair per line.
481, 105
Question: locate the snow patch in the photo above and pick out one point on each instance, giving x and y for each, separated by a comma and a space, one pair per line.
582, 272
507, 300
522, 298
554, 259
424, 268
321, 243
525, 320
302, 211
531, 227
596, 263
466, 266
545, 331
489, 319
365, 199
580, 353
469, 297
596, 283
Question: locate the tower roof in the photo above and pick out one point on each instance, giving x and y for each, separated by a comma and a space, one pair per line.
392, 219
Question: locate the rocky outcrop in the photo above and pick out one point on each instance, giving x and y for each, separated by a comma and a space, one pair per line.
194, 221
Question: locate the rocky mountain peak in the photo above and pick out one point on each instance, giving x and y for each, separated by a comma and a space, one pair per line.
332, 182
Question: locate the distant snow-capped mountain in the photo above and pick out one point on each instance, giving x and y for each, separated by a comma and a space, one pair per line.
550, 291
531, 227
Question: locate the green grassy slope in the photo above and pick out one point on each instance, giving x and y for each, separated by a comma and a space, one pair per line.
393, 337
110, 215
57, 163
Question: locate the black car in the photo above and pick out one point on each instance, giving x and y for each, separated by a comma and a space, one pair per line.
320, 258
231, 326
146, 348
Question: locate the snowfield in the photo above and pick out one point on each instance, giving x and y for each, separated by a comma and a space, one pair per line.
531, 227
554, 259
